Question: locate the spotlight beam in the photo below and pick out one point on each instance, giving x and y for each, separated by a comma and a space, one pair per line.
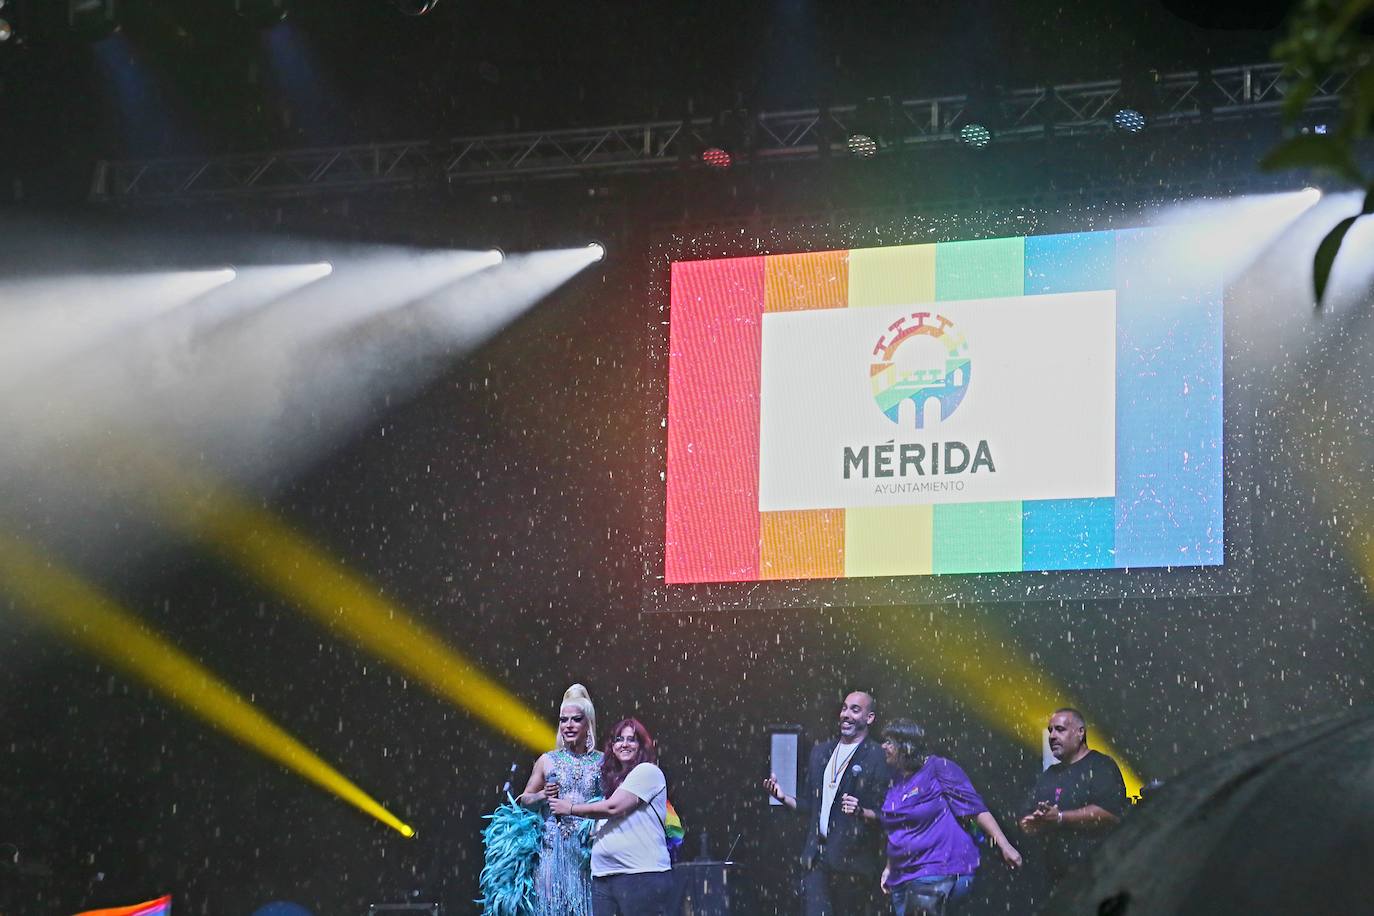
339, 296
47, 322
287, 562
997, 684
60, 600
1342, 487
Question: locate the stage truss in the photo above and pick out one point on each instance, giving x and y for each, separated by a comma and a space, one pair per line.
907, 125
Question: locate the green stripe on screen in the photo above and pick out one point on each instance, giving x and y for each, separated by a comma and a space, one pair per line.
977, 537
984, 269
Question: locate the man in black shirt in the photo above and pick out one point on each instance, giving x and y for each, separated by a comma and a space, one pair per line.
1077, 800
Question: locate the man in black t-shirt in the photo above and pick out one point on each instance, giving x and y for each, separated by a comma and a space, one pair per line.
1077, 800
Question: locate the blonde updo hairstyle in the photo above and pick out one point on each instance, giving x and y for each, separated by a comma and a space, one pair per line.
577, 695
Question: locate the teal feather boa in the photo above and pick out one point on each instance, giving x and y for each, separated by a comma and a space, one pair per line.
512, 857
512, 842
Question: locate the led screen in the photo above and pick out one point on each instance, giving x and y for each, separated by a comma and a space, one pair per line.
994, 406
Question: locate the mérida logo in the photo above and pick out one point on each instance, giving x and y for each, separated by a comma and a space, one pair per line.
890, 459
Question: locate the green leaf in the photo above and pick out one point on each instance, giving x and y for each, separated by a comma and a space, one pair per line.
1324, 151
1346, 18
1359, 92
1326, 256
1297, 97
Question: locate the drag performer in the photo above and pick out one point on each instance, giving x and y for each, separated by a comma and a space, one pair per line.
631, 868
536, 858
930, 856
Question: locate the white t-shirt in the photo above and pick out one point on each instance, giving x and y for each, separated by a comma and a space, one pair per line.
837, 764
633, 842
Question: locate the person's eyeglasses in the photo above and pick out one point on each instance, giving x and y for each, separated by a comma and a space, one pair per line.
564, 719
624, 739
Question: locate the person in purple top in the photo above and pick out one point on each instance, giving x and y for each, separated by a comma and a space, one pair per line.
930, 856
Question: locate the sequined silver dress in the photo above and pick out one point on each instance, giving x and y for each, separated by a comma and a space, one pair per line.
563, 884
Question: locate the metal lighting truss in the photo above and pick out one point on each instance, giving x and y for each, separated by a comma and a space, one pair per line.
1070, 109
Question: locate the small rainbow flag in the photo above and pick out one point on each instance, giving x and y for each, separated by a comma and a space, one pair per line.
672, 828
162, 906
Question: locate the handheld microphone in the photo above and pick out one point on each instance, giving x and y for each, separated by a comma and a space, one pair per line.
552, 780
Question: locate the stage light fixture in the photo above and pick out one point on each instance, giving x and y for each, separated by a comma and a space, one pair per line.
863, 146
262, 14
93, 19
414, 7
982, 116
975, 135
496, 256
1128, 120
717, 158
729, 137
1137, 100
6, 30
871, 125
597, 249
309, 273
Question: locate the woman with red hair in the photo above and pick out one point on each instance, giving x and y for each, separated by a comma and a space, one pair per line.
631, 871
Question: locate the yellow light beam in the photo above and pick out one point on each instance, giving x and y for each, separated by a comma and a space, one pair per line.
997, 683
286, 561
61, 600
1341, 480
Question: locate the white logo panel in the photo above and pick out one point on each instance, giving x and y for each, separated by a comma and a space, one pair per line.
846, 423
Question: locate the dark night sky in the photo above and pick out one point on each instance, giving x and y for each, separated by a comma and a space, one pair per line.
361, 72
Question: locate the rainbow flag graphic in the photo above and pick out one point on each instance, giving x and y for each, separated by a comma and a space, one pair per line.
162, 906
672, 828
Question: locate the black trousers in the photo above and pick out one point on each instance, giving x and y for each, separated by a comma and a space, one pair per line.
835, 893
638, 894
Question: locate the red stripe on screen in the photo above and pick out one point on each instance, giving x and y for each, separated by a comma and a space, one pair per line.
714, 353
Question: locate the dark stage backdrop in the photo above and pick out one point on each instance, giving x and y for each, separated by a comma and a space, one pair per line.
504, 507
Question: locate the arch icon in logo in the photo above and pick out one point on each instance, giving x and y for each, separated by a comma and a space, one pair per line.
920, 370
